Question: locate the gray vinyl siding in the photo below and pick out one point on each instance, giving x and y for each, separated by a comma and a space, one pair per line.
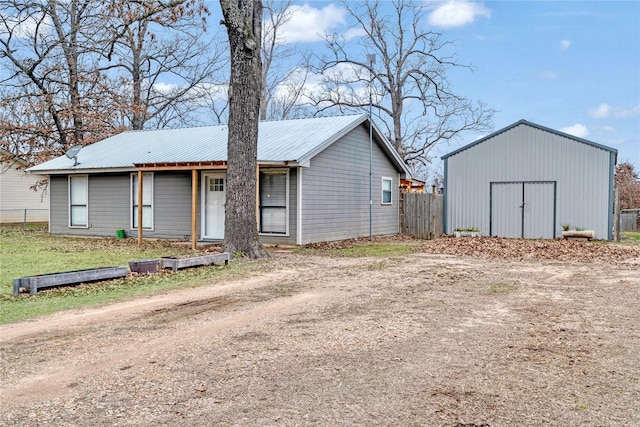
171, 206
108, 205
335, 196
582, 173
58, 204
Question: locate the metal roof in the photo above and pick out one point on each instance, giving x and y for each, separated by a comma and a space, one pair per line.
294, 141
524, 122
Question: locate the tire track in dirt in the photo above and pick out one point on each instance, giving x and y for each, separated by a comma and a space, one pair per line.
54, 382
226, 306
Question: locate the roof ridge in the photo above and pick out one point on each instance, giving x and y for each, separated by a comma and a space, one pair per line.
227, 125
315, 117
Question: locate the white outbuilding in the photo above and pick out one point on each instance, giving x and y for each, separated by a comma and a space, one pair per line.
18, 201
527, 181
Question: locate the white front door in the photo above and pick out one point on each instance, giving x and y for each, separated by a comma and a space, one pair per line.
213, 197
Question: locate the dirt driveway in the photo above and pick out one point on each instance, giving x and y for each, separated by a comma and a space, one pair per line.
419, 340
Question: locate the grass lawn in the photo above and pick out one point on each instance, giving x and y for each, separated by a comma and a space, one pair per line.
34, 251
631, 235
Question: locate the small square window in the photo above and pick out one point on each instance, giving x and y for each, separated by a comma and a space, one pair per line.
216, 184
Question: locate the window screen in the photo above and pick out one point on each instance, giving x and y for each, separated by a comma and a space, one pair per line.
273, 202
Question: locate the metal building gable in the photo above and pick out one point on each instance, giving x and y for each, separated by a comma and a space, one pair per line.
536, 126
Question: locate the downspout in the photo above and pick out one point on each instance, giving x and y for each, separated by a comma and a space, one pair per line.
299, 208
612, 167
445, 196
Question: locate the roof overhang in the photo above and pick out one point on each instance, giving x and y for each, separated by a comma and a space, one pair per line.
163, 166
72, 171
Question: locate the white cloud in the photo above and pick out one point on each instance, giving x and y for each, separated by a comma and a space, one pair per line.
630, 112
564, 44
25, 28
578, 130
601, 112
457, 13
165, 87
308, 24
547, 75
213, 91
605, 110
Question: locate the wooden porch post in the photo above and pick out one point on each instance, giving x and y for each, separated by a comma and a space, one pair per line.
139, 208
194, 208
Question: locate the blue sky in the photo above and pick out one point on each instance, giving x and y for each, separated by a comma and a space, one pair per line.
568, 65
573, 66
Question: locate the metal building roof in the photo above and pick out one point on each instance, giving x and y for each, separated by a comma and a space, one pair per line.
524, 122
294, 141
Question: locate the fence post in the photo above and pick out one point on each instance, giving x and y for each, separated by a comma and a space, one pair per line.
24, 221
616, 215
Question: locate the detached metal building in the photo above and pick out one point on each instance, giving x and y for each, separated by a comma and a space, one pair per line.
525, 180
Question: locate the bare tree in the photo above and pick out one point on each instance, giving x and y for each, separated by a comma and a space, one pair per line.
628, 184
78, 71
53, 97
153, 42
243, 20
412, 95
283, 84
213, 100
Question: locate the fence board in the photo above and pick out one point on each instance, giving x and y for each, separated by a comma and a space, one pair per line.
422, 215
630, 220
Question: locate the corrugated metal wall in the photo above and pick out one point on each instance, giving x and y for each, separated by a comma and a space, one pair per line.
506, 214
528, 154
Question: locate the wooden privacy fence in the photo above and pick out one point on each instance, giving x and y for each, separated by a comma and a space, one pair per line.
421, 215
630, 220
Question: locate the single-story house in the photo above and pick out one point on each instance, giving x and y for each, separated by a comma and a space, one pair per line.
19, 202
526, 181
313, 183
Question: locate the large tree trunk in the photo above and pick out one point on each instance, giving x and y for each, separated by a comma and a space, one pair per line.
243, 19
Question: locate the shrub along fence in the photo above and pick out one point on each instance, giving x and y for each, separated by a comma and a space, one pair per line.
421, 215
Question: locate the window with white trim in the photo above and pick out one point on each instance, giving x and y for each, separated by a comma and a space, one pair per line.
79, 201
273, 201
387, 185
147, 200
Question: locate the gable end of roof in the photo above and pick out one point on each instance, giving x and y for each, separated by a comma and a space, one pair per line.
536, 126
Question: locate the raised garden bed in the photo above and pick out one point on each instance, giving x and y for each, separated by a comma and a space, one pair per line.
578, 234
145, 266
178, 263
466, 233
42, 281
